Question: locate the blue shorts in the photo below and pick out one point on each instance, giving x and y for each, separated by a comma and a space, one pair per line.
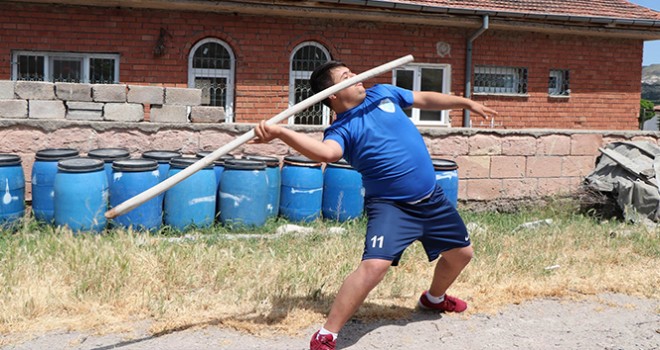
393, 226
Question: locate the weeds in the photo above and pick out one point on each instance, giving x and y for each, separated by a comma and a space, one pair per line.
53, 279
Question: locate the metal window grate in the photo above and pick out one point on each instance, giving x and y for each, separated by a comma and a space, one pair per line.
212, 56
303, 63
558, 83
500, 80
30, 67
101, 71
212, 68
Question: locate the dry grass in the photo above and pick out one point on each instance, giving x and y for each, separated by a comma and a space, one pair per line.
52, 279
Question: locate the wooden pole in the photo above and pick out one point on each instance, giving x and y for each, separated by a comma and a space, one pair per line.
168, 183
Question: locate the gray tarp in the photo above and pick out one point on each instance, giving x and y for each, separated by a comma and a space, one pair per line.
628, 171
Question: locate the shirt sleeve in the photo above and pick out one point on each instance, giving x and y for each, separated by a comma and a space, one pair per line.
334, 135
404, 96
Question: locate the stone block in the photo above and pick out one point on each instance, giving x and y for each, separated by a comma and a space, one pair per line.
183, 97
34, 90
207, 114
485, 145
544, 166
169, 114
73, 92
13, 109
46, 109
7, 90
484, 189
585, 144
84, 110
124, 112
507, 167
109, 92
152, 95
554, 145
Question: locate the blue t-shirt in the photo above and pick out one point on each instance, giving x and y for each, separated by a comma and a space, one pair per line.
382, 143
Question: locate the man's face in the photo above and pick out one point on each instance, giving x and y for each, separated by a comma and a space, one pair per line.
352, 94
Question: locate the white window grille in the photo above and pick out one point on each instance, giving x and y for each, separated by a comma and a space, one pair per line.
65, 67
425, 77
304, 59
558, 83
211, 67
500, 80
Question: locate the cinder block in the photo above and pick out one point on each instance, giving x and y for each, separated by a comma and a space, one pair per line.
13, 109
169, 114
34, 90
84, 110
207, 114
109, 93
124, 112
73, 92
46, 109
7, 90
153, 95
183, 97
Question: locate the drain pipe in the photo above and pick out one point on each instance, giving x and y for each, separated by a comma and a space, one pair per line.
468, 68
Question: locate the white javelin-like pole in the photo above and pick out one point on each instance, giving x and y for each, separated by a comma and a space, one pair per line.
168, 183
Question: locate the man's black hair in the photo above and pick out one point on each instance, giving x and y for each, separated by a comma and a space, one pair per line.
321, 78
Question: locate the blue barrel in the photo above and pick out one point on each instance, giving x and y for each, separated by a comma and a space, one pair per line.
109, 155
301, 193
12, 184
343, 194
446, 175
274, 176
243, 193
81, 194
131, 177
218, 164
43, 180
192, 201
163, 158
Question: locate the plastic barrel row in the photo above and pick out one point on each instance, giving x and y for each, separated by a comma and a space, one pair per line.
232, 190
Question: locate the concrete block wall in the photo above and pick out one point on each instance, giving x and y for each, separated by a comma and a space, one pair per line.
104, 102
494, 165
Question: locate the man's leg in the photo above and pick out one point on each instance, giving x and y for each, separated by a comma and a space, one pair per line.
449, 266
354, 290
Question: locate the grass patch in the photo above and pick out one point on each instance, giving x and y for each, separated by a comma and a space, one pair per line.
51, 279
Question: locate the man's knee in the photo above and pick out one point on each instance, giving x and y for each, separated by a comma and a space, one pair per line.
374, 269
459, 256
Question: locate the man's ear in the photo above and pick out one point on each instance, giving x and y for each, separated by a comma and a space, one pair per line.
332, 97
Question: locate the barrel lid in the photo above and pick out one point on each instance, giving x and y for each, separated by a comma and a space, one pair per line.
134, 165
342, 163
109, 154
183, 162
301, 160
80, 165
219, 161
162, 156
270, 161
9, 159
244, 164
444, 164
54, 154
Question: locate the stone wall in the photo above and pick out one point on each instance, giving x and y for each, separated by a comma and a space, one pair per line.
494, 165
104, 102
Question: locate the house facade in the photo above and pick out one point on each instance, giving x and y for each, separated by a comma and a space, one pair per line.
550, 64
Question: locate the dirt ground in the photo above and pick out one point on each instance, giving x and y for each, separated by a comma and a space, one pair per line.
609, 321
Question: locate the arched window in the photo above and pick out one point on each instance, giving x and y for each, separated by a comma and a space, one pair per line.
211, 66
304, 59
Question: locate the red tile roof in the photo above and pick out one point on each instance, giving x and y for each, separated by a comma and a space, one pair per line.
620, 9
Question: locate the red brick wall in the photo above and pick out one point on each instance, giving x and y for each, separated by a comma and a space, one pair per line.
605, 73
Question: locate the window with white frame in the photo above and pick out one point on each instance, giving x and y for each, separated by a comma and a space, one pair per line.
65, 67
500, 80
425, 77
304, 59
558, 83
211, 66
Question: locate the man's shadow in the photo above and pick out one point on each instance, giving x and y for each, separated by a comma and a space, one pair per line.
369, 317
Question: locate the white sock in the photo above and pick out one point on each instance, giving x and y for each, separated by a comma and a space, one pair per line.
324, 331
435, 300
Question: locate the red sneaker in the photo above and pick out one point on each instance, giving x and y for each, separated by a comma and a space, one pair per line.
322, 342
450, 304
